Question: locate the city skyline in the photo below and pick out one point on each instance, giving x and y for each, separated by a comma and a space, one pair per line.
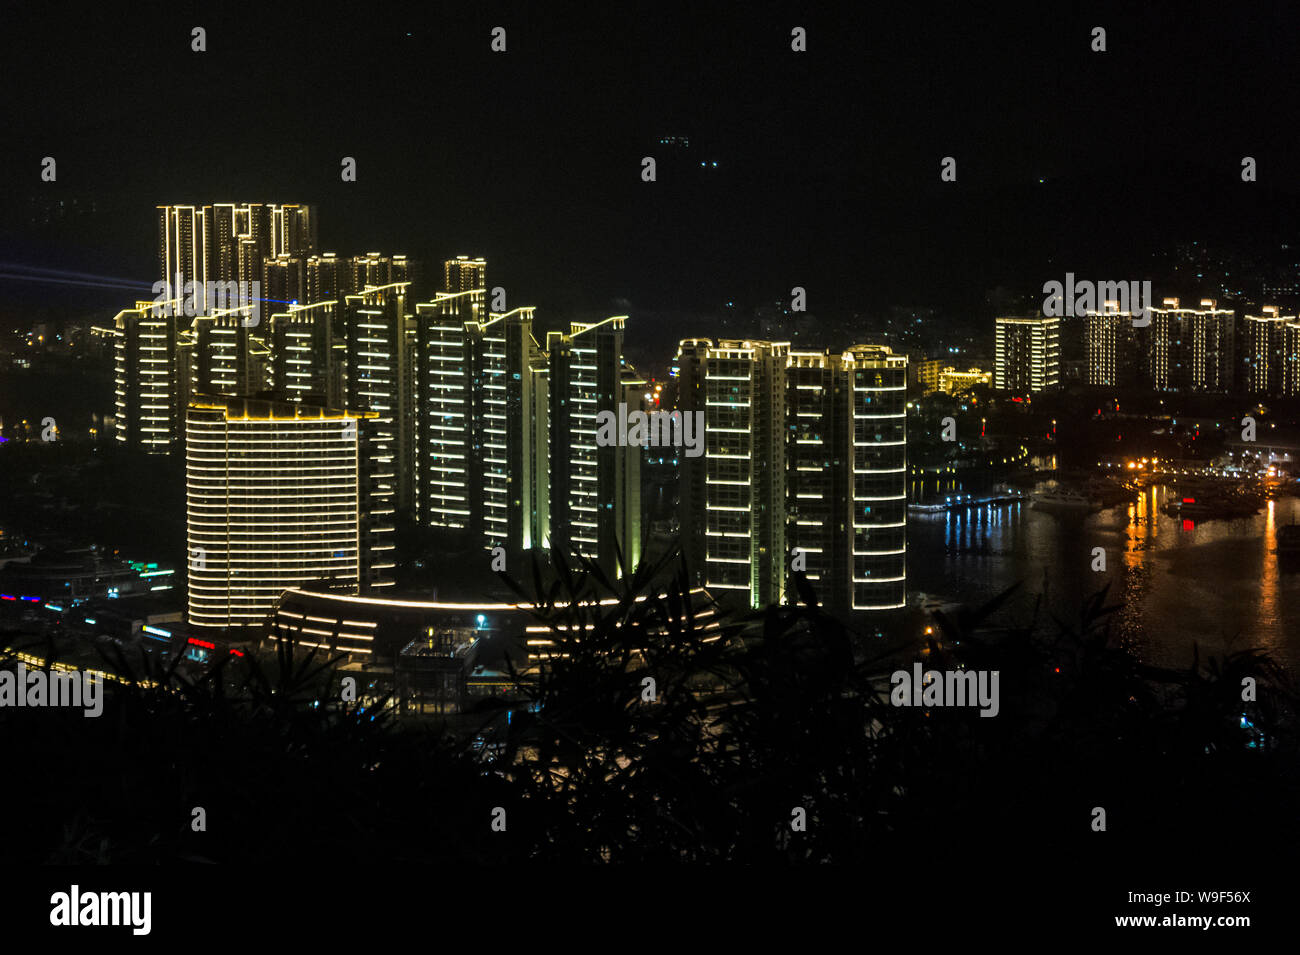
480, 431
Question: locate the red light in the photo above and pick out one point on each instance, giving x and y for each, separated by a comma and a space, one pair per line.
238, 653
1188, 525
1189, 500
203, 643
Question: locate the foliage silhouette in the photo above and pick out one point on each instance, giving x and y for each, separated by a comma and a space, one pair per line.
753, 715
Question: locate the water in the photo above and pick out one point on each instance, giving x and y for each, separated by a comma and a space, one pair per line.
1215, 583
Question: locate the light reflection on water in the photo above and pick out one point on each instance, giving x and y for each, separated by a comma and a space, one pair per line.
1217, 583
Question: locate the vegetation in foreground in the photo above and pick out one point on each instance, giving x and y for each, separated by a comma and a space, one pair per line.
753, 717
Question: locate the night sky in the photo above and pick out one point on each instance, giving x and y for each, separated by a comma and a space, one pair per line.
828, 161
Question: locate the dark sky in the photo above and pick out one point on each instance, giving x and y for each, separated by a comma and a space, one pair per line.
828, 161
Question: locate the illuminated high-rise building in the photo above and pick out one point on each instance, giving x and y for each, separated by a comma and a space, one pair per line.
1198, 343
225, 242
1213, 347
1175, 333
462, 274
214, 336
877, 387
1154, 342
1105, 335
805, 469
148, 392
743, 513
285, 285
250, 262
444, 382
1140, 358
482, 427
378, 335
274, 494
1027, 358
162, 356
376, 270
1291, 358
255, 227
1180, 349
307, 362
225, 228
371, 269
817, 472
184, 246
594, 490
512, 465
1119, 355
293, 230
403, 269
1262, 358
329, 278
223, 356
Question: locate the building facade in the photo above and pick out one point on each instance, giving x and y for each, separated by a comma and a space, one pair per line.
148, 408
379, 379
1262, 359
1027, 358
273, 501
805, 471
595, 491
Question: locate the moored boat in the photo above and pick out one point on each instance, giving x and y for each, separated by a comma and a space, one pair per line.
1066, 502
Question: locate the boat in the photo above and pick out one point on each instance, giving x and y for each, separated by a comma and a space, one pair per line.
1065, 501
1213, 501
1110, 493
965, 501
930, 603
